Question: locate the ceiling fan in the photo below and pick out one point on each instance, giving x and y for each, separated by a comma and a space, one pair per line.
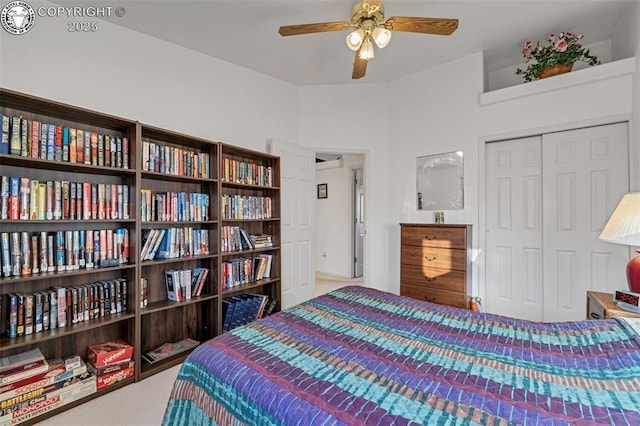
367, 17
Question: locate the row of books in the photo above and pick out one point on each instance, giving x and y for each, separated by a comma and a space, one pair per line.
30, 385
172, 160
235, 238
25, 253
245, 308
173, 206
30, 199
183, 284
46, 141
235, 206
110, 362
243, 172
245, 270
171, 243
60, 307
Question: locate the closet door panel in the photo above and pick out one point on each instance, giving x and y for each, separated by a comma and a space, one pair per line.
514, 228
585, 174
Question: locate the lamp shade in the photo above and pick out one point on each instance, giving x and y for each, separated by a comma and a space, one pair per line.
623, 226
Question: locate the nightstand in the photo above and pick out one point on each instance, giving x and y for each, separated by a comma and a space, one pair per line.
601, 306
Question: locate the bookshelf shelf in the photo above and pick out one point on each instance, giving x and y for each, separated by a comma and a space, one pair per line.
65, 274
148, 370
176, 178
238, 185
35, 163
170, 304
154, 163
67, 331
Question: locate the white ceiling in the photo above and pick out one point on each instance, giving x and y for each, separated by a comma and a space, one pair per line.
245, 33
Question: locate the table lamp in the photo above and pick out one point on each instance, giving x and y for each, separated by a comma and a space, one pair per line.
623, 227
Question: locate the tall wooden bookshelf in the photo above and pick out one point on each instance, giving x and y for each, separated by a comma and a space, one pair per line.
250, 201
145, 326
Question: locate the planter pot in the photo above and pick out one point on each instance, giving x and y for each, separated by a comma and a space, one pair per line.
555, 70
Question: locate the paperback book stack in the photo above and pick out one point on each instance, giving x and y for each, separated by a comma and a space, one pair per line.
111, 362
31, 386
167, 350
245, 308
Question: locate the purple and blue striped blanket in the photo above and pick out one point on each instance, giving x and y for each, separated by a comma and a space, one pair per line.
358, 356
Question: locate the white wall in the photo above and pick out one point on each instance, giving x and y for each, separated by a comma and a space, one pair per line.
334, 218
121, 72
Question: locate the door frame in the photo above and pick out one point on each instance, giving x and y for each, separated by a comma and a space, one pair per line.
479, 266
354, 216
367, 184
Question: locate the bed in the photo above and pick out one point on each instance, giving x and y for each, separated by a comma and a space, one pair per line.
359, 356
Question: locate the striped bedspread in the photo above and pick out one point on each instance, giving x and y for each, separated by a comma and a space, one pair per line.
358, 356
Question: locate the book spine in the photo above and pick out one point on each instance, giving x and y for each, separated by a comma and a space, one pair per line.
53, 131
24, 137
62, 133
5, 122
34, 140
25, 190
35, 254
87, 147
4, 197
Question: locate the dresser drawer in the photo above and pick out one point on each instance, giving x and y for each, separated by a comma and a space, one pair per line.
434, 257
439, 279
450, 298
434, 237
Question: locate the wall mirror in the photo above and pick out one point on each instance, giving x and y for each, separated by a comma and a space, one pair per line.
440, 180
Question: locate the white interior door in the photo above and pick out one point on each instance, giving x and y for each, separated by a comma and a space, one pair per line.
585, 176
514, 229
548, 199
297, 192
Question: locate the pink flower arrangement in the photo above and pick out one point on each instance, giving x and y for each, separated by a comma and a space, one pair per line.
562, 49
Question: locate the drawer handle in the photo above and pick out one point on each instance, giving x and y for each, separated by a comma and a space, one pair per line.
430, 299
428, 238
430, 259
430, 279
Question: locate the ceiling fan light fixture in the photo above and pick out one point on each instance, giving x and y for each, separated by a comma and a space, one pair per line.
355, 38
381, 36
366, 51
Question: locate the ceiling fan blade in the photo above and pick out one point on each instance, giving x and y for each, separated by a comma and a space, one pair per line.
422, 25
288, 30
359, 67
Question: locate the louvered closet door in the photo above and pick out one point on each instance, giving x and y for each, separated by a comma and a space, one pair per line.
514, 229
548, 199
585, 174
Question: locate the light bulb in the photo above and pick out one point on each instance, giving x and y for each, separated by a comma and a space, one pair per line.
354, 39
381, 36
366, 51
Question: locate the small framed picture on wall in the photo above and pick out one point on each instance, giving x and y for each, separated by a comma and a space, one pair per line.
322, 190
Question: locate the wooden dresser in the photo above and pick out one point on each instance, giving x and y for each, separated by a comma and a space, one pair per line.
435, 263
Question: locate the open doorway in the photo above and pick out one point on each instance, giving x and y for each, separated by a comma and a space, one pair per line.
340, 220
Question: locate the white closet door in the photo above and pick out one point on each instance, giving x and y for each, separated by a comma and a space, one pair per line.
585, 174
514, 229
